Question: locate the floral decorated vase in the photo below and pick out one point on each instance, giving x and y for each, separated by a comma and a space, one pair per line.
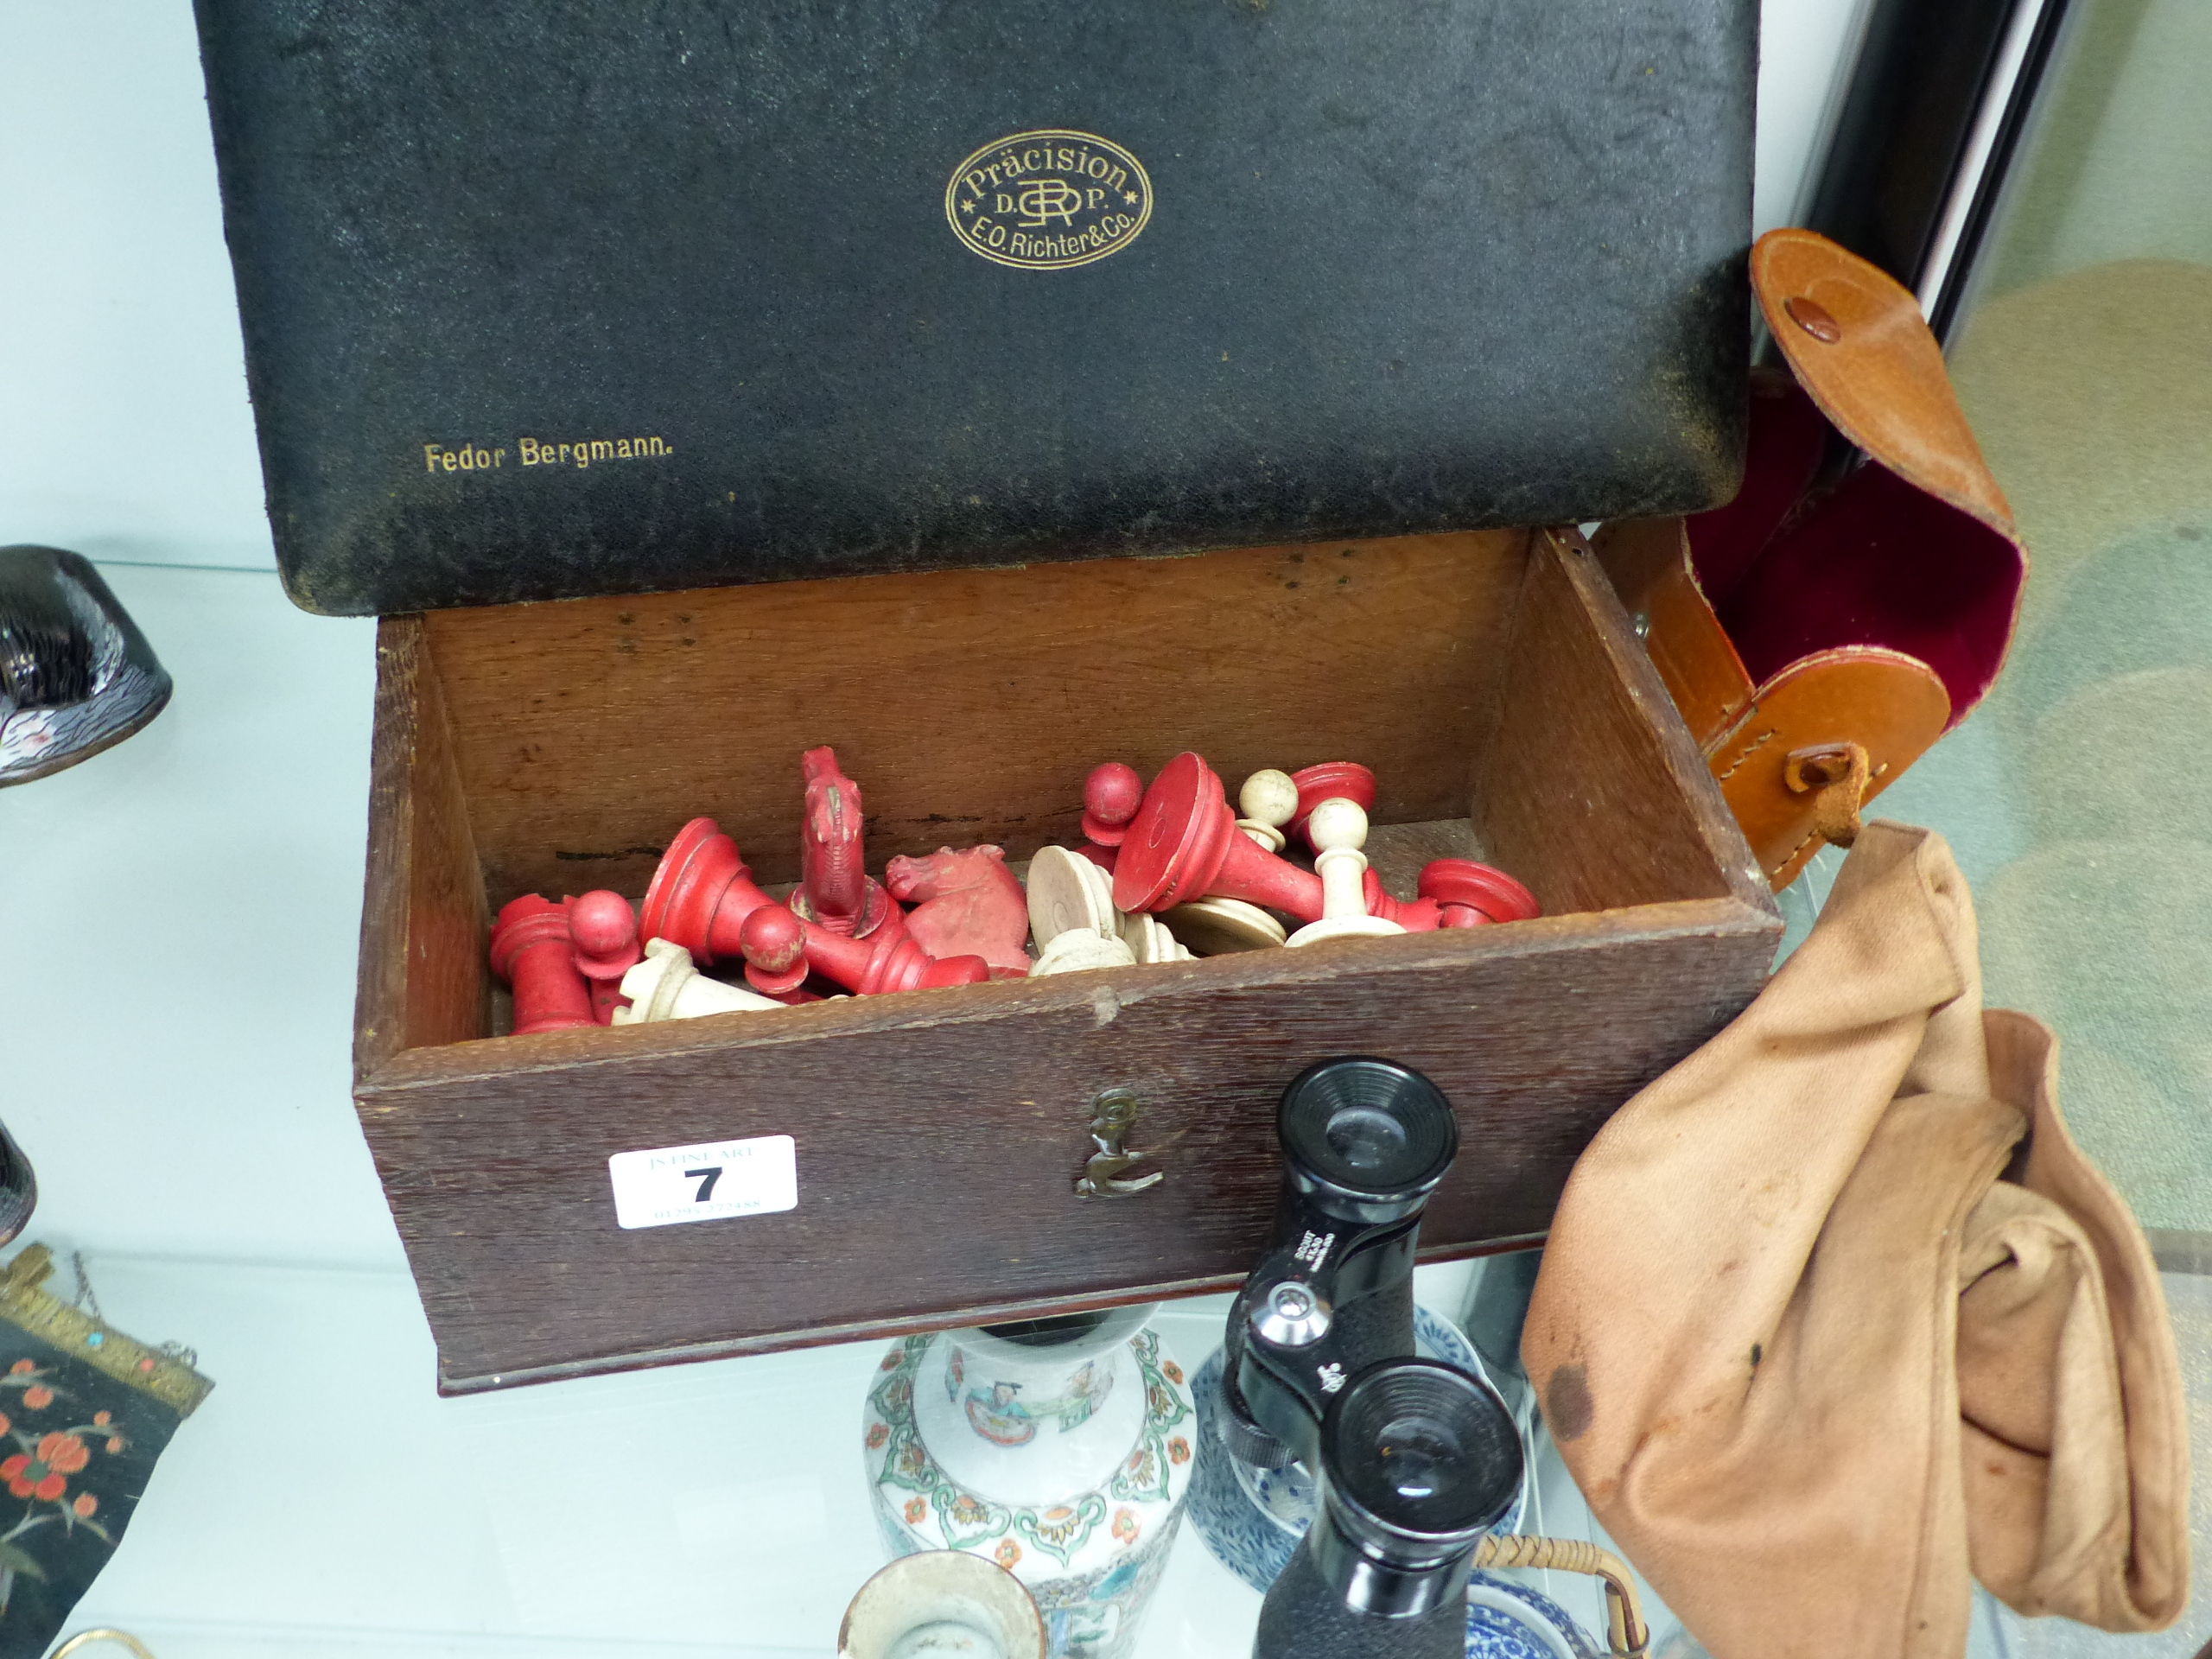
1062, 1450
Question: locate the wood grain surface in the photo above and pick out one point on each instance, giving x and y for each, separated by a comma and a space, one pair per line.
1591, 792
940, 1133
423, 979
969, 705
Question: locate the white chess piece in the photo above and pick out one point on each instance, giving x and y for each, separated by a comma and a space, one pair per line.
1338, 830
1071, 915
1268, 801
1068, 893
1077, 949
1148, 936
666, 986
1219, 926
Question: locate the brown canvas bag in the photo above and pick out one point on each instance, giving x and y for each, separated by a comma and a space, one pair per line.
1836, 1311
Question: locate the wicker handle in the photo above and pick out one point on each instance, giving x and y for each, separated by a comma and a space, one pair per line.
1626, 1634
84, 1639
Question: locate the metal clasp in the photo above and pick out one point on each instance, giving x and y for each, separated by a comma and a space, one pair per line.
1113, 1114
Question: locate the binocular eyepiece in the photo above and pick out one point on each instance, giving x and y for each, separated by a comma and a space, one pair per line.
1365, 1140
1420, 1460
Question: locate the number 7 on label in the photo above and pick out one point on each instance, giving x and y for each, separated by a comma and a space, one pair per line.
706, 1188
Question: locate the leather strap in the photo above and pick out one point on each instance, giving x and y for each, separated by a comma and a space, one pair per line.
1857, 343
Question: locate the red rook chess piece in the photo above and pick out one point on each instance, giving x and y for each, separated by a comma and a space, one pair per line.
1473, 894
532, 950
604, 933
1184, 844
701, 894
775, 940
835, 891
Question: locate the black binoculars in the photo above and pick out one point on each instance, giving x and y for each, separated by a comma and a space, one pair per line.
1413, 1459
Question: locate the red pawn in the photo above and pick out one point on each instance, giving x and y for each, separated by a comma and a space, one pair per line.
1331, 780
604, 932
776, 941
531, 950
1184, 844
1111, 796
1471, 894
835, 891
701, 894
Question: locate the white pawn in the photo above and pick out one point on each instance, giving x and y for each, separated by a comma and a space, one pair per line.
1149, 938
1068, 893
1338, 830
1268, 801
1071, 915
666, 986
1077, 950
1219, 926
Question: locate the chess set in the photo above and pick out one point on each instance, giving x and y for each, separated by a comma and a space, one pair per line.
1164, 874
673, 428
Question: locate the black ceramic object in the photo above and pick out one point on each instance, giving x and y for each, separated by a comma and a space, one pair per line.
76, 676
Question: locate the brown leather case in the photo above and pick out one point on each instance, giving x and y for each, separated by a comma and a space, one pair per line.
1817, 638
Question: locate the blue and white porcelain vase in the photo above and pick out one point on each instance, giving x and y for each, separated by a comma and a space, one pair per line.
1062, 1451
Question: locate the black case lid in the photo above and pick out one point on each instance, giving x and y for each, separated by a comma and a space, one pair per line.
612, 296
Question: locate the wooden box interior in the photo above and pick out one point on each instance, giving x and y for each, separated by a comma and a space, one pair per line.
1489, 679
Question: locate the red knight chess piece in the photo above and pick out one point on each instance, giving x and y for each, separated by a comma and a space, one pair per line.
835, 891
965, 903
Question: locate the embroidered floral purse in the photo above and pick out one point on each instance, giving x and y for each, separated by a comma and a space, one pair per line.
85, 1411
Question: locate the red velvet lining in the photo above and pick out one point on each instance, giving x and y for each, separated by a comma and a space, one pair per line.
1879, 563
1788, 436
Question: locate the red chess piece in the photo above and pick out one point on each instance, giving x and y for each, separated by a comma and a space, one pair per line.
531, 950
701, 894
1329, 780
1415, 915
603, 933
774, 943
1184, 844
966, 903
835, 891
1471, 894
872, 967
1110, 798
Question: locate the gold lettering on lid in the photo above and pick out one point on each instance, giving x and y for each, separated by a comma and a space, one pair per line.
583, 453
1088, 196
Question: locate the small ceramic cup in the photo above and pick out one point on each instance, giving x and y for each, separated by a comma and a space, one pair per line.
942, 1604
